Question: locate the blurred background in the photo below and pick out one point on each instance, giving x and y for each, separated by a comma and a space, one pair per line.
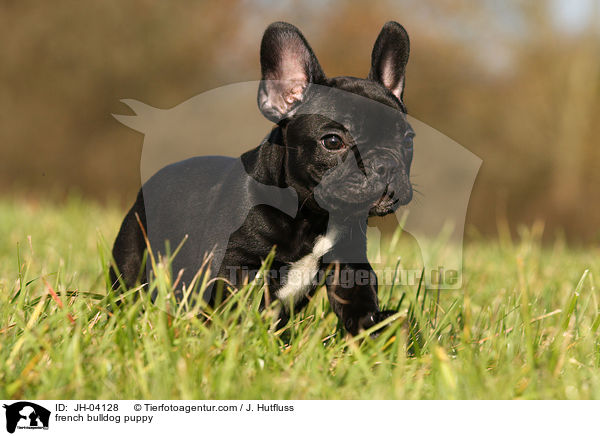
515, 82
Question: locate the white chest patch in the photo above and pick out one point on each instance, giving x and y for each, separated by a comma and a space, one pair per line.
302, 272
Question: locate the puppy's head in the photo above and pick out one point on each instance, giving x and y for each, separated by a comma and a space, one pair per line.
348, 142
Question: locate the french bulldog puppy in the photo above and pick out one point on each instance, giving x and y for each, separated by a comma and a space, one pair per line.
340, 151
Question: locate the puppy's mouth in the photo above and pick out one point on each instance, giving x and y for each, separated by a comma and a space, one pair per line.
387, 203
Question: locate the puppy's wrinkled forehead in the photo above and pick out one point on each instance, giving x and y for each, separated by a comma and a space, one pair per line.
361, 108
368, 89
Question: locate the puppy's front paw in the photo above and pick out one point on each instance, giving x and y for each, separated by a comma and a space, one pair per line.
371, 319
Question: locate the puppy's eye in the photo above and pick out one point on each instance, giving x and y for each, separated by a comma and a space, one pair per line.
332, 142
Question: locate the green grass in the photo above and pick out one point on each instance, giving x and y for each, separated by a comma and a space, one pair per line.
525, 325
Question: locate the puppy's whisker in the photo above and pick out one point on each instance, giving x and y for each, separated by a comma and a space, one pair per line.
310, 194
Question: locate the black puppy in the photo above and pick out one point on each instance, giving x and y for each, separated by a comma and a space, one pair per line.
341, 150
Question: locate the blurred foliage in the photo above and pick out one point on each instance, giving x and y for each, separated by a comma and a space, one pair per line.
503, 79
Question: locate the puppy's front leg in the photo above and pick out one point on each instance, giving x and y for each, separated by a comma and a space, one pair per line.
352, 292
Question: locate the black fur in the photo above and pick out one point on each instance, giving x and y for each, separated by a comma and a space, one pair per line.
291, 189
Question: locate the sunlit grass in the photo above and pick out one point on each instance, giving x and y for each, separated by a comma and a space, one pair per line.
525, 325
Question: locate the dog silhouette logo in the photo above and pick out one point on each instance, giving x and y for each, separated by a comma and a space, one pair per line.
442, 169
26, 415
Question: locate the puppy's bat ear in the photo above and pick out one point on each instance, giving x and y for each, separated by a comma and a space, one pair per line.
389, 58
288, 65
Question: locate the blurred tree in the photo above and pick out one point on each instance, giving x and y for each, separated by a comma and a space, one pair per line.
501, 78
